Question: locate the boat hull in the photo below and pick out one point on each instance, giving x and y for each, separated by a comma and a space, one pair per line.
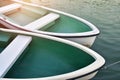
84, 73
87, 41
86, 77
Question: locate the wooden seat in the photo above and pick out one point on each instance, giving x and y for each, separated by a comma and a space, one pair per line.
41, 22
12, 52
10, 7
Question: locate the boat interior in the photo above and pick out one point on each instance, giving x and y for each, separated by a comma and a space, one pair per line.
41, 57
42, 19
5, 39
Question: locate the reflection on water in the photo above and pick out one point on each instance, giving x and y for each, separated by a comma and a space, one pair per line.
105, 14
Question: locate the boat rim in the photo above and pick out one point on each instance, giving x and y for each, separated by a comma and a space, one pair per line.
62, 35
93, 67
94, 32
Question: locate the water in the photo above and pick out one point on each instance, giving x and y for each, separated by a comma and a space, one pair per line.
105, 14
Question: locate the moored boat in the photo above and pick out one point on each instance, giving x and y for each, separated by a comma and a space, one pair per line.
40, 19
45, 57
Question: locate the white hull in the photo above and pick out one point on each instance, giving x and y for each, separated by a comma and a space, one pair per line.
87, 41
87, 77
85, 73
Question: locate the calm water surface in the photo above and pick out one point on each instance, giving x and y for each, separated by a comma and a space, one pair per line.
105, 14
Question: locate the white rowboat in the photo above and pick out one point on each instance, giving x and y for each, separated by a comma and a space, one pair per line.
43, 20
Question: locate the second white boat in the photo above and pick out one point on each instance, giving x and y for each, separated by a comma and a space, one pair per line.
43, 20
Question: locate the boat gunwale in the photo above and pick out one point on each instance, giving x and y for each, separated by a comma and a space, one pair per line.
93, 32
96, 65
16, 26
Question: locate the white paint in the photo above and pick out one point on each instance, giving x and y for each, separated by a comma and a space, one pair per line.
87, 41
10, 7
12, 52
43, 21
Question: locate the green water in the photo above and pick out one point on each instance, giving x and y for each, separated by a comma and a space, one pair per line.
45, 58
105, 14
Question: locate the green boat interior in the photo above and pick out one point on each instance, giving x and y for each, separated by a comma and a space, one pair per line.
5, 39
64, 24
44, 57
